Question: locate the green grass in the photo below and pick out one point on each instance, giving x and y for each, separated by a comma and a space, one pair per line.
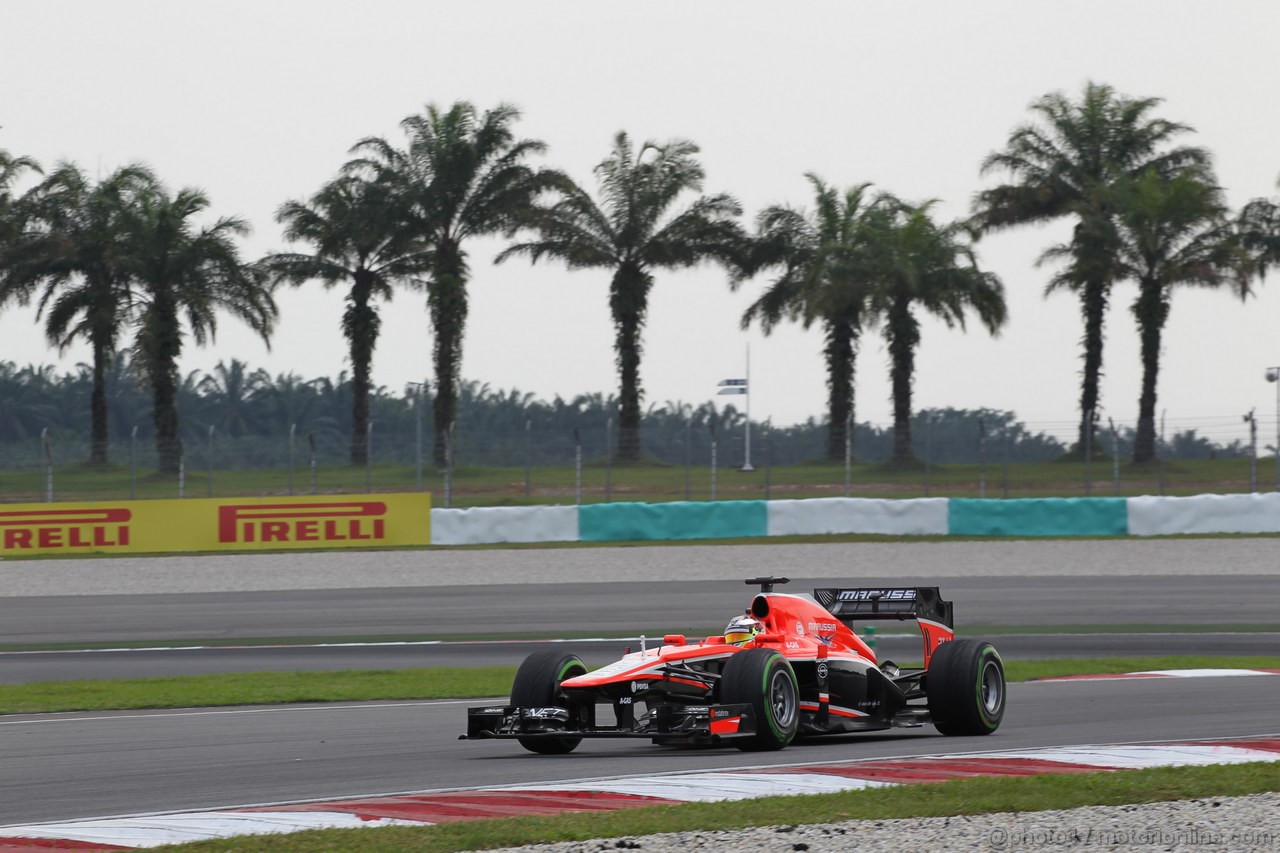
258, 688
268, 688
1026, 670
484, 486
978, 631
963, 797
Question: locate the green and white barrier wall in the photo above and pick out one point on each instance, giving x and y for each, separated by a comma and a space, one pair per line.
616, 522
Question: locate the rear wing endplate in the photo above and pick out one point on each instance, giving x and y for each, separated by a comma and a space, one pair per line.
886, 603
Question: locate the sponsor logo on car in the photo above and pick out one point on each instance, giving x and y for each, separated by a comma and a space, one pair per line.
816, 627
544, 713
59, 529
302, 522
881, 594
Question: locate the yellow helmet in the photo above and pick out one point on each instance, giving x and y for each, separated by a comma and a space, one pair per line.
741, 630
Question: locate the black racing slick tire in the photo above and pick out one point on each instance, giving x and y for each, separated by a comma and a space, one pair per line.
537, 685
763, 679
965, 687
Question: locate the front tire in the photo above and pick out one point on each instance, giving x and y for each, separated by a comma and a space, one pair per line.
966, 688
763, 679
537, 685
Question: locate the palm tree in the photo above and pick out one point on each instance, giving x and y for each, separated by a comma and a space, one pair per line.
13, 208
358, 230
1172, 232
823, 279
230, 392
1067, 164
461, 174
182, 271
634, 230
77, 259
918, 264
1259, 229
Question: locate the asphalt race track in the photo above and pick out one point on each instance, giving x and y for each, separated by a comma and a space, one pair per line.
91, 765
67, 766
471, 616
23, 667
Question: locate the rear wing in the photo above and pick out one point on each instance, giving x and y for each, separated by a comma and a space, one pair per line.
923, 604
875, 603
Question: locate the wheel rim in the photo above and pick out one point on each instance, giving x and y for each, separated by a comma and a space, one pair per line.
782, 698
992, 687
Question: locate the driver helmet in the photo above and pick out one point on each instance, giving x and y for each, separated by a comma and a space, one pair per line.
741, 630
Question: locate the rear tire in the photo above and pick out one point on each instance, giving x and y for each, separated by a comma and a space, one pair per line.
763, 679
537, 685
966, 688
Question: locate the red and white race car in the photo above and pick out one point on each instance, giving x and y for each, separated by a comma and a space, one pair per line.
790, 666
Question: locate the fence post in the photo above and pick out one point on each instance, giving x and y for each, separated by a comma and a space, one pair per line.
928, 454
182, 475
982, 458
47, 450
1005, 441
528, 456
712, 428
311, 442
293, 432
848, 454
577, 467
1115, 455
448, 466
768, 458
608, 461
133, 464
1089, 417
368, 459
210, 483
419, 403
1253, 450
688, 455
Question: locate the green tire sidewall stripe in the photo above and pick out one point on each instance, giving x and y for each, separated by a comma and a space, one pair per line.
768, 696
564, 670
987, 653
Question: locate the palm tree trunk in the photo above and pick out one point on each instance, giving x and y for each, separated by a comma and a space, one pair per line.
98, 429
903, 333
447, 298
1152, 309
841, 352
628, 301
360, 324
1093, 305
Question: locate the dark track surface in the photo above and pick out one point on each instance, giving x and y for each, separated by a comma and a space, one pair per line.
612, 608
80, 765
618, 609
20, 668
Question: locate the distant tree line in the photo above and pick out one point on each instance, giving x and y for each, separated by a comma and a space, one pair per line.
252, 413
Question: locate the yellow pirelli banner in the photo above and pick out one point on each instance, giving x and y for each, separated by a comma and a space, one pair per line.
216, 524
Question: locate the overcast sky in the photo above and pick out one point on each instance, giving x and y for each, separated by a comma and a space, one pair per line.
258, 102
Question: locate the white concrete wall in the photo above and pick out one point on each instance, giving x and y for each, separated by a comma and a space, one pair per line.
1159, 516
482, 525
916, 517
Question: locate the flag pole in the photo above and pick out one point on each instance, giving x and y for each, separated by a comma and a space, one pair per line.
746, 465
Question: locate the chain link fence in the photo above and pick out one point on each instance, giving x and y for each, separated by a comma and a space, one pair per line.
954, 457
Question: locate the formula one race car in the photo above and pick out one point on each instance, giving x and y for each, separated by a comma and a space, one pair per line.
790, 666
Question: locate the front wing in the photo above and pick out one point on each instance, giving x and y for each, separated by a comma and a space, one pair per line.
671, 723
